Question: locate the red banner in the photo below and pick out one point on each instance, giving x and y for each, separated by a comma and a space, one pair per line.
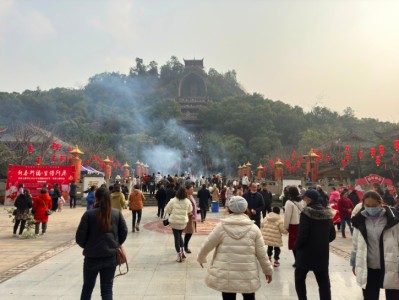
33, 178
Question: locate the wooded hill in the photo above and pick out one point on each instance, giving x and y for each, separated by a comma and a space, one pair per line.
124, 115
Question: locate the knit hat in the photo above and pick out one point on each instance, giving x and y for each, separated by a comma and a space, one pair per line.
238, 204
312, 194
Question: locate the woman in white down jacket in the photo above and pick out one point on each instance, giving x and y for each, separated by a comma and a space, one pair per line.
179, 209
239, 244
375, 255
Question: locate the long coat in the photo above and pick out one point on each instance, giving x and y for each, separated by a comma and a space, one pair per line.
40, 204
192, 217
238, 245
389, 247
316, 231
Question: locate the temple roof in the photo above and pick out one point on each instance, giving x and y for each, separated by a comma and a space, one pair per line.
198, 63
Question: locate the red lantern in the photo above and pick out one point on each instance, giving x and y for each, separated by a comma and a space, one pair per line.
298, 163
30, 148
347, 148
396, 145
293, 155
287, 163
347, 157
271, 163
87, 162
62, 157
343, 163
372, 152
102, 165
377, 160
54, 158
328, 158
94, 157
381, 150
360, 154
58, 147
70, 149
38, 160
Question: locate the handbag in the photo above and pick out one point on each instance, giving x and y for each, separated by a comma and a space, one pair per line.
165, 222
48, 211
121, 259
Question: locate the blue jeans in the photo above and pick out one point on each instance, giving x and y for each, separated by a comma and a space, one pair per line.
91, 267
343, 221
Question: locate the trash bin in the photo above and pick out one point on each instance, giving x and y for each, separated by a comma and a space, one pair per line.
215, 206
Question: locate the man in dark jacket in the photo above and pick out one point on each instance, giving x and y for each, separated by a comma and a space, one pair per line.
161, 200
267, 197
256, 203
73, 194
204, 195
316, 231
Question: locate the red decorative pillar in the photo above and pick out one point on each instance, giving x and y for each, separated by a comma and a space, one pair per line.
126, 172
76, 161
260, 171
278, 171
107, 168
248, 170
138, 168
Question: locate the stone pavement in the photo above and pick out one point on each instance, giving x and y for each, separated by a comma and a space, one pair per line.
50, 267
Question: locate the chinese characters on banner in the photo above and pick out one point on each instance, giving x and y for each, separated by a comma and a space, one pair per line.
33, 178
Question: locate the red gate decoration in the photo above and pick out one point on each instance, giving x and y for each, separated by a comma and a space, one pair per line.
33, 178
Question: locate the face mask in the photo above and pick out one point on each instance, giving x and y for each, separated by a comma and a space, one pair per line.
373, 211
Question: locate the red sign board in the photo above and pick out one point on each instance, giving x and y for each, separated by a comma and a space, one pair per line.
33, 178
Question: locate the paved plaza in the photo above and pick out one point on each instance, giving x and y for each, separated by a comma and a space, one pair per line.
50, 267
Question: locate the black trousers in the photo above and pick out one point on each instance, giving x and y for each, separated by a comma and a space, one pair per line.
17, 224
177, 234
372, 291
136, 213
72, 201
277, 252
203, 212
322, 278
232, 296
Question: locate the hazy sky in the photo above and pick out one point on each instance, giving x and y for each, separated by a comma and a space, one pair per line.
335, 53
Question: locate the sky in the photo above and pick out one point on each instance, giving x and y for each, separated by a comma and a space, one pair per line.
336, 53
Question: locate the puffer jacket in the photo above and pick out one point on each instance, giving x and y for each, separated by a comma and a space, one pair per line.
273, 228
389, 247
42, 203
178, 211
136, 200
238, 245
94, 241
118, 200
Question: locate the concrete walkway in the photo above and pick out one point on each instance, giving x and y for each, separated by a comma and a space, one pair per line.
50, 267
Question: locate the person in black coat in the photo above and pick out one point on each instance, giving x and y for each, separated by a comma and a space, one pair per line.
267, 197
23, 203
100, 232
255, 203
204, 196
73, 194
161, 200
55, 196
316, 231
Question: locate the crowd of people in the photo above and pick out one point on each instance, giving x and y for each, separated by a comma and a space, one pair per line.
251, 232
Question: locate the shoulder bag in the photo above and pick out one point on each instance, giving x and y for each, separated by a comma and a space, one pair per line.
48, 211
121, 259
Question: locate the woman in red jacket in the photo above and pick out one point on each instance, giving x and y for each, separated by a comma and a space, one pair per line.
345, 207
40, 205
